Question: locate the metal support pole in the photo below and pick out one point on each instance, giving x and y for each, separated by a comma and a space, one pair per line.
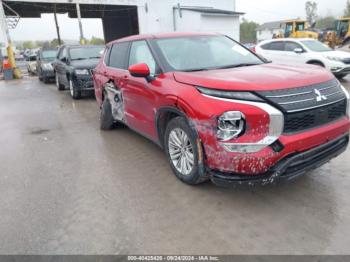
10, 53
82, 39
57, 27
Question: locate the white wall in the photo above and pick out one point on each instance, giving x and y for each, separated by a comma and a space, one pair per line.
159, 17
266, 34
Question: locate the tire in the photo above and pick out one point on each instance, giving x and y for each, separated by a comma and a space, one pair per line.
340, 76
74, 92
46, 80
60, 87
40, 77
106, 118
190, 173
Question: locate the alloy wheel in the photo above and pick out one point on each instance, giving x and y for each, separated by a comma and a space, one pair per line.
181, 151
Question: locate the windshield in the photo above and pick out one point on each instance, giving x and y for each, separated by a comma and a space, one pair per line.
49, 54
80, 53
316, 46
204, 53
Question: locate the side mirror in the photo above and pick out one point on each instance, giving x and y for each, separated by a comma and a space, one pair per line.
64, 59
298, 50
141, 70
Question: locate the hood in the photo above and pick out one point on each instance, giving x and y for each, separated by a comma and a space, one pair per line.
338, 54
259, 77
84, 64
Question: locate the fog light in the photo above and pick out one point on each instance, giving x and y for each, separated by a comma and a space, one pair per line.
230, 125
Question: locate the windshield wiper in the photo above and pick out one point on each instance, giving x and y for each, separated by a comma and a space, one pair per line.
79, 58
237, 65
197, 70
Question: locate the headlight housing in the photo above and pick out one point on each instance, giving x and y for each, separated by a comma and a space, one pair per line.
47, 66
81, 72
348, 98
247, 96
333, 58
230, 125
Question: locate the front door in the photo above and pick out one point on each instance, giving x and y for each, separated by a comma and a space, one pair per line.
141, 96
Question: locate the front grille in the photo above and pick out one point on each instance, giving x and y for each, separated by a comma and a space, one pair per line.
299, 121
310, 106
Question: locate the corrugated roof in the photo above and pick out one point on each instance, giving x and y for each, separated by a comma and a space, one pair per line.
270, 25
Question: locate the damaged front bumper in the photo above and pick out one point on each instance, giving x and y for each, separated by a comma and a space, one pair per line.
287, 169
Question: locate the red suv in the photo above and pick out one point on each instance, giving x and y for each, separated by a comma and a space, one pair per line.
219, 111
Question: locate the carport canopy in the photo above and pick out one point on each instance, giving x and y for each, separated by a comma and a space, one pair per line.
118, 19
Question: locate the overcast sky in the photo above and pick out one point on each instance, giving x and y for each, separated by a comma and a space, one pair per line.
270, 10
256, 10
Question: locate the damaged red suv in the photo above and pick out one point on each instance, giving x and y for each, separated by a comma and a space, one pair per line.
219, 111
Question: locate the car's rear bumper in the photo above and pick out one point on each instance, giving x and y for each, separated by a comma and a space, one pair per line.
288, 168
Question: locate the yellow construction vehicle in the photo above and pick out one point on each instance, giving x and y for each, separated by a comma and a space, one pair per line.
297, 28
341, 35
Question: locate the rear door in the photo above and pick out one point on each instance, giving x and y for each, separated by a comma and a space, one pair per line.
114, 78
61, 67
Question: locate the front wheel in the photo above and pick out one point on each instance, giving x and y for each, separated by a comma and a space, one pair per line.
59, 86
74, 92
182, 150
340, 76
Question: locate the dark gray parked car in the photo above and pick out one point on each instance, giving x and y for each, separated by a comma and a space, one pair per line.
73, 68
44, 64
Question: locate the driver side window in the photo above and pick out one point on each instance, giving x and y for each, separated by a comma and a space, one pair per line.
140, 53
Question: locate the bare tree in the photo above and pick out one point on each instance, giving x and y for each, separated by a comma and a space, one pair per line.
311, 11
347, 8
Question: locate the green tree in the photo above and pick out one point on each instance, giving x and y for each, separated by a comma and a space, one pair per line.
311, 11
96, 41
248, 31
326, 22
347, 8
55, 43
28, 45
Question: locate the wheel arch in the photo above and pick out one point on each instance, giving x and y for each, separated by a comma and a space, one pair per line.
315, 61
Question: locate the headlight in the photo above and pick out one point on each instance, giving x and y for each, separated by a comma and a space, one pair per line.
230, 125
229, 94
348, 98
81, 71
47, 66
338, 59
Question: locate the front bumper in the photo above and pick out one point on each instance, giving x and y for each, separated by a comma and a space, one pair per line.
288, 168
84, 83
48, 74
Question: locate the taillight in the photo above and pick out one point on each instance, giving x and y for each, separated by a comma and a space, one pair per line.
253, 49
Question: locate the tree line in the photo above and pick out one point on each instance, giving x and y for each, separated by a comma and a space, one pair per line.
248, 28
54, 43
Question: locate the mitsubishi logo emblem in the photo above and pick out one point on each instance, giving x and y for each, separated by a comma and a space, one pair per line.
319, 96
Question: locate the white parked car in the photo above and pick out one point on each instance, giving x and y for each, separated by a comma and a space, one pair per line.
305, 51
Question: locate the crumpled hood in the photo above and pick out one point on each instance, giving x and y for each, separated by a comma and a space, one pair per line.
259, 77
84, 64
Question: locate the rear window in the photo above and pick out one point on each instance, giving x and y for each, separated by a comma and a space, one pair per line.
276, 46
